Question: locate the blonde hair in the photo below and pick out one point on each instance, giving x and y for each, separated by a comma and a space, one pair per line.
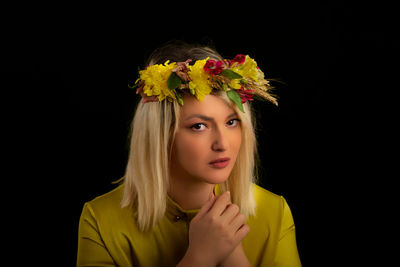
146, 179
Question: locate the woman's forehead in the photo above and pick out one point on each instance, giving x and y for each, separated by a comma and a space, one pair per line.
212, 107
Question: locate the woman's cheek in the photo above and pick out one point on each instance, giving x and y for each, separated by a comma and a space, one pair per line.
188, 148
194, 152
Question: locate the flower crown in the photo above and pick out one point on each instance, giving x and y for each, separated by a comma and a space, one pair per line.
240, 78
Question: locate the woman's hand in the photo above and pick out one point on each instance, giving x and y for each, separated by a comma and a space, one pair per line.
236, 258
216, 231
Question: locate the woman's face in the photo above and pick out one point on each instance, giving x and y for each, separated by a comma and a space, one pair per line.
207, 141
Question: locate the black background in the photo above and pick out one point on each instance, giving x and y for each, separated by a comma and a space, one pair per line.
67, 109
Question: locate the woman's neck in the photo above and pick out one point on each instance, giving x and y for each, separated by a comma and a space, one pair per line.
190, 195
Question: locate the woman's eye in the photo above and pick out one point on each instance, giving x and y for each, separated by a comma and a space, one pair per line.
198, 127
233, 122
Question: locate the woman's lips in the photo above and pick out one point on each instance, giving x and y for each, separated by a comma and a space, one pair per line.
220, 163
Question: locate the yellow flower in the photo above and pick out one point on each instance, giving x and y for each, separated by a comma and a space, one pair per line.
155, 78
248, 69
235, 84
199, 79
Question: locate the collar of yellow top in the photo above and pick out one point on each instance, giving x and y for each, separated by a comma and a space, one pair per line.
176, 213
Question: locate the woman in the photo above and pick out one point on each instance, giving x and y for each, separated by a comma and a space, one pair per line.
189, 195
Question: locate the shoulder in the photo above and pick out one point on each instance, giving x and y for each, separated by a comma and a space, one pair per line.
270, 206
111, 198
107, 204
272, 230
264, 197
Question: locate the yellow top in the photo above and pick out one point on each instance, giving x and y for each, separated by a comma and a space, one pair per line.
108, 235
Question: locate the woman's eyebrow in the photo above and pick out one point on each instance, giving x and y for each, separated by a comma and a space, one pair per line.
206, 118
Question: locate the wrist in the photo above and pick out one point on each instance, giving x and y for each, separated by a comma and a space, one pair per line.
236, 258
194, 260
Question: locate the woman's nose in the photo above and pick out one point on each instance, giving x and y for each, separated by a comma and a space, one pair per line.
219, 142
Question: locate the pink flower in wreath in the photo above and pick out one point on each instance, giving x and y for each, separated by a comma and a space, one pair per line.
240, 58
182, 70
213, 67
245, 95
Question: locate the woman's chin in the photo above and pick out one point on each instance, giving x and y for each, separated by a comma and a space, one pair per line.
216, 178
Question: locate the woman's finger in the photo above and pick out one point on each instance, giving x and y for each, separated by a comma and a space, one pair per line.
206, 207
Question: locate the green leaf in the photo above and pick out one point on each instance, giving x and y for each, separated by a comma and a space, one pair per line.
174, 81
234, 96
231, 74
179, 98
224, 87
